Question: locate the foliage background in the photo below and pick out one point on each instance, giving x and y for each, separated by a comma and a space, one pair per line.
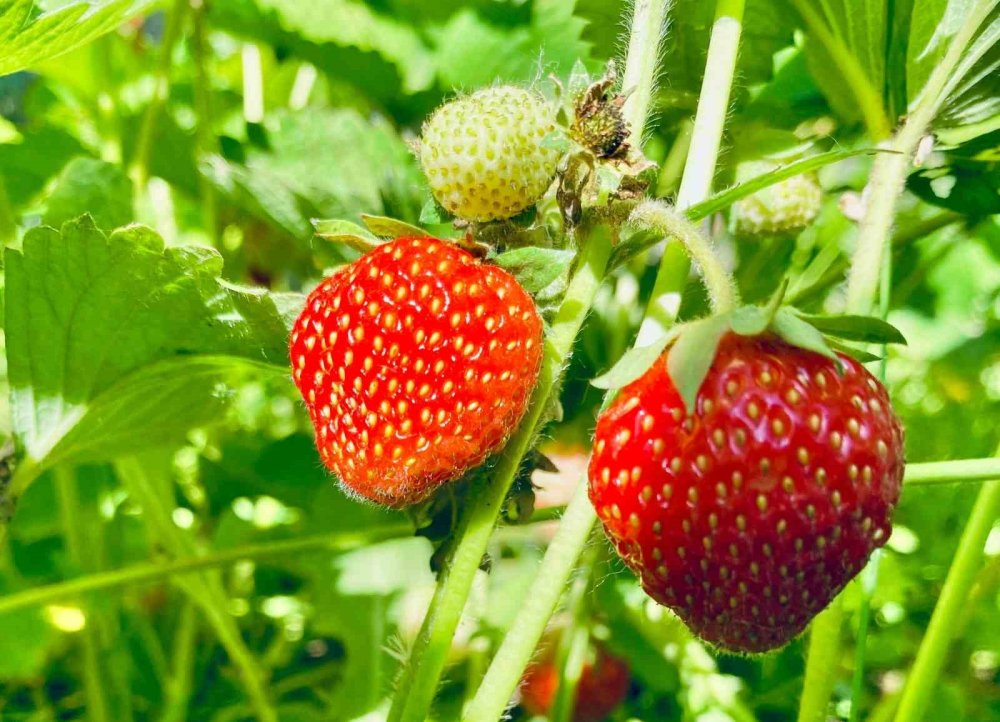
228, 126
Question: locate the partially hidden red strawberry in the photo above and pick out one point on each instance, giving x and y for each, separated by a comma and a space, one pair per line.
604, 683
747, 516
415, 362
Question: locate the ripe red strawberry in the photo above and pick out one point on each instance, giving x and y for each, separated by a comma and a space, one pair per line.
748, 516
604, 682
415, 363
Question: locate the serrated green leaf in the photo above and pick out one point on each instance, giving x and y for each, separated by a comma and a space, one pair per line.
634, 362
432, 214
799, 333
25, 43
535, 268
93, 319
692, 355
855, 328
351, 234
385, 227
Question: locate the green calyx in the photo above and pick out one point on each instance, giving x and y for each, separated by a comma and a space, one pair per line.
693, 345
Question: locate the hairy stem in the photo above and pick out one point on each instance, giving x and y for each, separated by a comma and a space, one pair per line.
699, 169
933, 653
889, 169
639, 79
564, 552
418, 683
539, 604
663, 219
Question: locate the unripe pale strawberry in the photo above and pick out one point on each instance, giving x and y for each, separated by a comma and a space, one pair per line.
784, 208
483, 154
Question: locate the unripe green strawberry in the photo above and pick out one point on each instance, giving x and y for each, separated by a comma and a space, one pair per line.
483, 154
781, 209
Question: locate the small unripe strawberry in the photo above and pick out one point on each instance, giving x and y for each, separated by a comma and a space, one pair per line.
784, 208
483, 154
747, 516
415, 363
604, 683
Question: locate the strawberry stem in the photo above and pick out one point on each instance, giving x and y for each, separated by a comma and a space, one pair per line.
660, 217
639, 79
921, 683
699, 169
419, 681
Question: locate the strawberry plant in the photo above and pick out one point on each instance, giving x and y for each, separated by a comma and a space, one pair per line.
544, 360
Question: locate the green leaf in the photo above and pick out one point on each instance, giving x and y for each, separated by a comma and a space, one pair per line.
120, 325
25, 42
535, 268
385, 227
635, 362
319, 163
351, 234
721, 201
855, 353
749, 320
347, 39
87, 185
855, 328
510, 53
692, 355
800, 333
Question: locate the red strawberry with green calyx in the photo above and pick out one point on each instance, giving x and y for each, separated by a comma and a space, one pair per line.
748, 474
415, 362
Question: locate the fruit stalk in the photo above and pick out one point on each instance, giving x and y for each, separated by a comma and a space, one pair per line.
887, 182
699, 170
559, 560
538, 605
419, 680
889, 169
663, 219
821, 663
922, 680
639, 79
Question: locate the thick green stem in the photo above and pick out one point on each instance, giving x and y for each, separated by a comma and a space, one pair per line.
822, 666
75, 541
922, 680
664, 219
639, 79
699, 170
160, 570
420, 676
889, 169
946, 472
538, 606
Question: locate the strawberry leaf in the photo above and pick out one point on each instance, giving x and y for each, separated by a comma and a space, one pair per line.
350, 234
692, 355
855, 353
535, 268
116, 343
634, 362
749, 320
385, 227
799, 333
855, 328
